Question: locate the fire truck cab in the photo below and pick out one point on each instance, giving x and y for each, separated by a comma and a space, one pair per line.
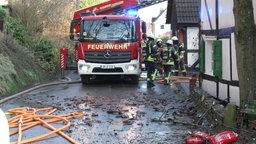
108, 44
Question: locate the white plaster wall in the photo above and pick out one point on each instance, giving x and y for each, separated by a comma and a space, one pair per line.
158, 32
226, 16
234, 64
223, 91
226, 20
209, 87
225, 59
204, 17
254, 9
192, 58
3, 2
157, 26
234, 95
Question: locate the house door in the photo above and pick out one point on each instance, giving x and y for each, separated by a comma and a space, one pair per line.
192, 48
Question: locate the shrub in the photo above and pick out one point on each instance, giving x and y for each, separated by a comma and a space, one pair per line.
19, 32
44, 50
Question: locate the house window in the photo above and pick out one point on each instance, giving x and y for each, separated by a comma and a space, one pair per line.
161, 26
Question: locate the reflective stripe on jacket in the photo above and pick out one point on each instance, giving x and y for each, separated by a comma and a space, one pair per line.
168, 56
151, 51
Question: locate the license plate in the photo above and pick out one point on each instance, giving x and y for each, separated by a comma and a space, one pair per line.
107, 67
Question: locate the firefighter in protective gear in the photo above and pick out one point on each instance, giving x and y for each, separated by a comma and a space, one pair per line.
159, 59
150, 61
168, 58
179, 63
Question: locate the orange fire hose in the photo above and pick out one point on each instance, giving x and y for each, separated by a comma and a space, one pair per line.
26, 118
177, 80
25, 121
32, 124
59, 132
46, 134
20, 132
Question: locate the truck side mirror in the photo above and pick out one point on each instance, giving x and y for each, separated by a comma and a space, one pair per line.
72, 26
144, 36
144, 27
74, 29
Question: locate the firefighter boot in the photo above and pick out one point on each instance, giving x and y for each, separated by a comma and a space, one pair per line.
184, 73
165, 82
176, 73
150, 84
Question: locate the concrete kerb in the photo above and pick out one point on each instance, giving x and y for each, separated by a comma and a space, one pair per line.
67, 81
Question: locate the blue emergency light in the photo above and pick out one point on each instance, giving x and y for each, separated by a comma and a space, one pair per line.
85, 13
132, 12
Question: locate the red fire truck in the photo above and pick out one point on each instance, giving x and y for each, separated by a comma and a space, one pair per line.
108, 40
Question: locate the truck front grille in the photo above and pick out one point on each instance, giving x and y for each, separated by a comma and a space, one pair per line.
107, 57
115, 70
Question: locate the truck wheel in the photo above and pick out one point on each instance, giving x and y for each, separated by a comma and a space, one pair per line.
85, 79
135, 79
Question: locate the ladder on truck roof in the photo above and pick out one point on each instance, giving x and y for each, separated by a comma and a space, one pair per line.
108, 7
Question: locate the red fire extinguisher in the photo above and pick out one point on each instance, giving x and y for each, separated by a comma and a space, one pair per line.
225, 137
198, 137
203, 135
194, 140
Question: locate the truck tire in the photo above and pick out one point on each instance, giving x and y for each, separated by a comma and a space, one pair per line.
135, 79
85, 79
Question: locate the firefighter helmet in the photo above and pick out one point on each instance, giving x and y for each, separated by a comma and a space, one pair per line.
151, 36
159, 40
169, 42
174, 38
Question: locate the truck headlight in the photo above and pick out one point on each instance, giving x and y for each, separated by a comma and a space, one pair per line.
131, 67
143, 65
84, 67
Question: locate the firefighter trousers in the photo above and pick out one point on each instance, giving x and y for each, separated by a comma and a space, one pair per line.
151, 71
167, 73
179, 65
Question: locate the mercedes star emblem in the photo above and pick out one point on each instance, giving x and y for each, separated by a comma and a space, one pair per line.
107, 54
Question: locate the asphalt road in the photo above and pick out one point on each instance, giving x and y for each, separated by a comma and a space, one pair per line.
116, 112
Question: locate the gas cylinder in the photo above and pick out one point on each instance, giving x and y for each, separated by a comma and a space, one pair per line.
203, 135
194, 140
225, 137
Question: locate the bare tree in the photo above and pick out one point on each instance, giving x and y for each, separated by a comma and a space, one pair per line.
48, 17
86, 3
36, 15
245, 38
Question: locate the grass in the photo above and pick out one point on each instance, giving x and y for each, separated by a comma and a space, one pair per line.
18, 67
7, 74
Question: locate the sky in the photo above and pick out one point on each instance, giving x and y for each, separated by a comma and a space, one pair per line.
147, 13
3, 2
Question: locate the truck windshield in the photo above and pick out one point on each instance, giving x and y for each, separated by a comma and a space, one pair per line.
109, 30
